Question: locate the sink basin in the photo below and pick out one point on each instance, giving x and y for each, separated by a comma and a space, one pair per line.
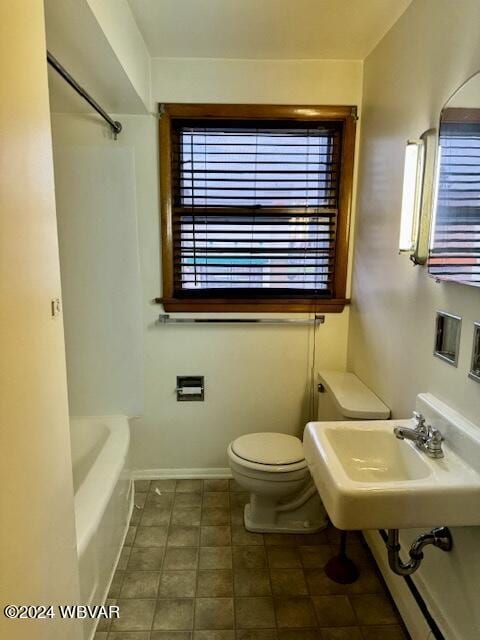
369, 479
370, 454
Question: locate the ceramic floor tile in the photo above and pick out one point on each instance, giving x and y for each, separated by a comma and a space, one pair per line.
240, 536
315, 557
368, 582
373, 609
173, 614
234, 486
294, 612
237, 516
135, 615
288, 582
217, 515
128, 635
254, 613
124, 558
343, 633
319, 584
215, 558
215, 536
140, 584
177, 584
189, 486
309, 539
180, 559
159, 499
213, 634
116, 584
183, 536
145, 559
141, 486
280, 539
283, 558
216, 499
214, 613
164, 486
190, 516
155, 516
391, 632
150, 536
299, 634
276, 590
252, 582
256, 634
216, 584
216, 484
185, 499
334, 611
171, 635
249, 557
239, 499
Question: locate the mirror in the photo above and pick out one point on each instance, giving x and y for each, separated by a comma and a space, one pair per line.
455, 236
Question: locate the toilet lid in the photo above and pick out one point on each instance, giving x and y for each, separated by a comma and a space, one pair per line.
269, 448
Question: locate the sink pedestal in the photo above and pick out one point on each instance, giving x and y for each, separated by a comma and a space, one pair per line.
340, 568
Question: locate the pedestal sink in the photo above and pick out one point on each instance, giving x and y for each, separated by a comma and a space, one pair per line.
368, 479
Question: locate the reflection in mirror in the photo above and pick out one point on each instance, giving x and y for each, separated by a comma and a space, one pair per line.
455, 239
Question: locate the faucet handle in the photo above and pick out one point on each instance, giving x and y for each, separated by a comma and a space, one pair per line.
435, 435
434, 443
419, 421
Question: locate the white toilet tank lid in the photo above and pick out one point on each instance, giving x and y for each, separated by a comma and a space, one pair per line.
269, 448
352, 397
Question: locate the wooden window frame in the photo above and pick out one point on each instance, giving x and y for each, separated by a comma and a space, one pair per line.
345, 114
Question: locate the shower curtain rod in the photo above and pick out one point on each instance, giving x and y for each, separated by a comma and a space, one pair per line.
60, 69
164, 318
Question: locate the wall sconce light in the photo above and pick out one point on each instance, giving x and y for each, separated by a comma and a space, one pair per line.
417, 198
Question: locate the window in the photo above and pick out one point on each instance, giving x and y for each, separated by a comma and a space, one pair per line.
255, 207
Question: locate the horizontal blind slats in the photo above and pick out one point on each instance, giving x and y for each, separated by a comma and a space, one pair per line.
255, 207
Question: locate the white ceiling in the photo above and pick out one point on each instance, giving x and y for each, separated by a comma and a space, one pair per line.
265, 29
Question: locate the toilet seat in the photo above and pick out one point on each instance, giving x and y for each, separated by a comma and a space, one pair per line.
274, 453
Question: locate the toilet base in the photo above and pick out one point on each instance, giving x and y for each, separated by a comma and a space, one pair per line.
310, 518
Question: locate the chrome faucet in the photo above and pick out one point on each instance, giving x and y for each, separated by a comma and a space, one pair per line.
425, 437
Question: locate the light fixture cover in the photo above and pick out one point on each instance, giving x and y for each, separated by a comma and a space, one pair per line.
411, 196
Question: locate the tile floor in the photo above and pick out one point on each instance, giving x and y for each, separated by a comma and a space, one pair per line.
190, 571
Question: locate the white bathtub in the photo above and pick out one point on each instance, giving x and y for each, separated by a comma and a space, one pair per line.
103, 500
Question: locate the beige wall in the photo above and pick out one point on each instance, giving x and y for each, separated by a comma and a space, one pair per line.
37, 538
427, 54
257, 377
117, 23
256, 81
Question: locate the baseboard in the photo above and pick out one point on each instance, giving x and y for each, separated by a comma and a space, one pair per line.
181, 474
406, 604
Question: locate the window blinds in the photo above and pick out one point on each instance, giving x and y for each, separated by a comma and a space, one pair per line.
455, 252
255, 207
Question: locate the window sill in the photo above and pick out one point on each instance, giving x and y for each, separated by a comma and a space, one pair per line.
260, 305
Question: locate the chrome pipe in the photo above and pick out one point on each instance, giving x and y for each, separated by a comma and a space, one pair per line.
60, 69
165, 318
439, 537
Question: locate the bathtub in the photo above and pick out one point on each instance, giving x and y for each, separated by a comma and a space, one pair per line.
103, 501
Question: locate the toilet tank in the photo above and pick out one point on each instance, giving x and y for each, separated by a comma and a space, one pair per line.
343, 396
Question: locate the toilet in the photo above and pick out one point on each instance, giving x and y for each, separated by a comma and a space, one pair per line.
273, 469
